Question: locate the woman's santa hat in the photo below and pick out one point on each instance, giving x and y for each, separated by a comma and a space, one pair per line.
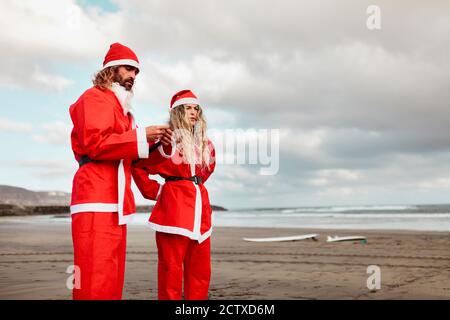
183, 97
118, 55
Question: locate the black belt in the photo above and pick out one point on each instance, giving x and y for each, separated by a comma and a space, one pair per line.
84, 160
195, 179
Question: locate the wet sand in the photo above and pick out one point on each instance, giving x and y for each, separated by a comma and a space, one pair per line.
414, 265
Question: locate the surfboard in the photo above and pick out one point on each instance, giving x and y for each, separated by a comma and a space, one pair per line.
349, 238
279, 239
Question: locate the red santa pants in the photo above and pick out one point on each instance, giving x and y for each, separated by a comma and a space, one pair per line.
99, 245
177, 256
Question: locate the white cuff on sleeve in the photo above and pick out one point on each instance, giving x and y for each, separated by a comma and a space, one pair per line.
174, 149
142, 144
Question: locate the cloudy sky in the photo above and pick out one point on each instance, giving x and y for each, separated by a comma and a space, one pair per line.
363, 115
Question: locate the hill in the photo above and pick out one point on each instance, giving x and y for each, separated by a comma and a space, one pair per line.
25, 197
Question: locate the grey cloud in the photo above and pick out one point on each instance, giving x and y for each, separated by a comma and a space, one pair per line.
312, 64
240, 27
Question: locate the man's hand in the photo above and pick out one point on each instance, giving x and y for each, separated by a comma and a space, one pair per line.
155, 132
161, 132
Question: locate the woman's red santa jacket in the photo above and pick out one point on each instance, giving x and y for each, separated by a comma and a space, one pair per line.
182, 207
102, 132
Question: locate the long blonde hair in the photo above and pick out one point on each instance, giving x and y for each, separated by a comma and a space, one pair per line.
193, 143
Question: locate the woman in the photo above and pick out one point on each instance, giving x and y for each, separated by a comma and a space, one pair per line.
182, 214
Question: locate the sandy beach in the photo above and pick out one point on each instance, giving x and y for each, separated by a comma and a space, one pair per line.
414, 265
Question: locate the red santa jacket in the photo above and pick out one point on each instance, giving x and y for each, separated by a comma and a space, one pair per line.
102, 132
182, 206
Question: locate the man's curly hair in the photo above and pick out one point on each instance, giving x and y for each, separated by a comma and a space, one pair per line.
105, 77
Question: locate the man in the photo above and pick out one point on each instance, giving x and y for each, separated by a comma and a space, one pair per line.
105, 141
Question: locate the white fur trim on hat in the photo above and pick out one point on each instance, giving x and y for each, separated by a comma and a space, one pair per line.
128, 62
185, 101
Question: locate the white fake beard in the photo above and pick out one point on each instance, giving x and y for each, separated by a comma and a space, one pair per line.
124, 96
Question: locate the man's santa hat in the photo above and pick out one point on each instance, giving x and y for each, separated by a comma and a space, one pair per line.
183, 97
118, 55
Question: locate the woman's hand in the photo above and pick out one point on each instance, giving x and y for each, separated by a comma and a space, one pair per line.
166, 138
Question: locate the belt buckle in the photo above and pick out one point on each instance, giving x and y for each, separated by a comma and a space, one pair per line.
197, 180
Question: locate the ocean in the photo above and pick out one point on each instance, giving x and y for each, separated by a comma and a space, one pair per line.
370, 217
376, 217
